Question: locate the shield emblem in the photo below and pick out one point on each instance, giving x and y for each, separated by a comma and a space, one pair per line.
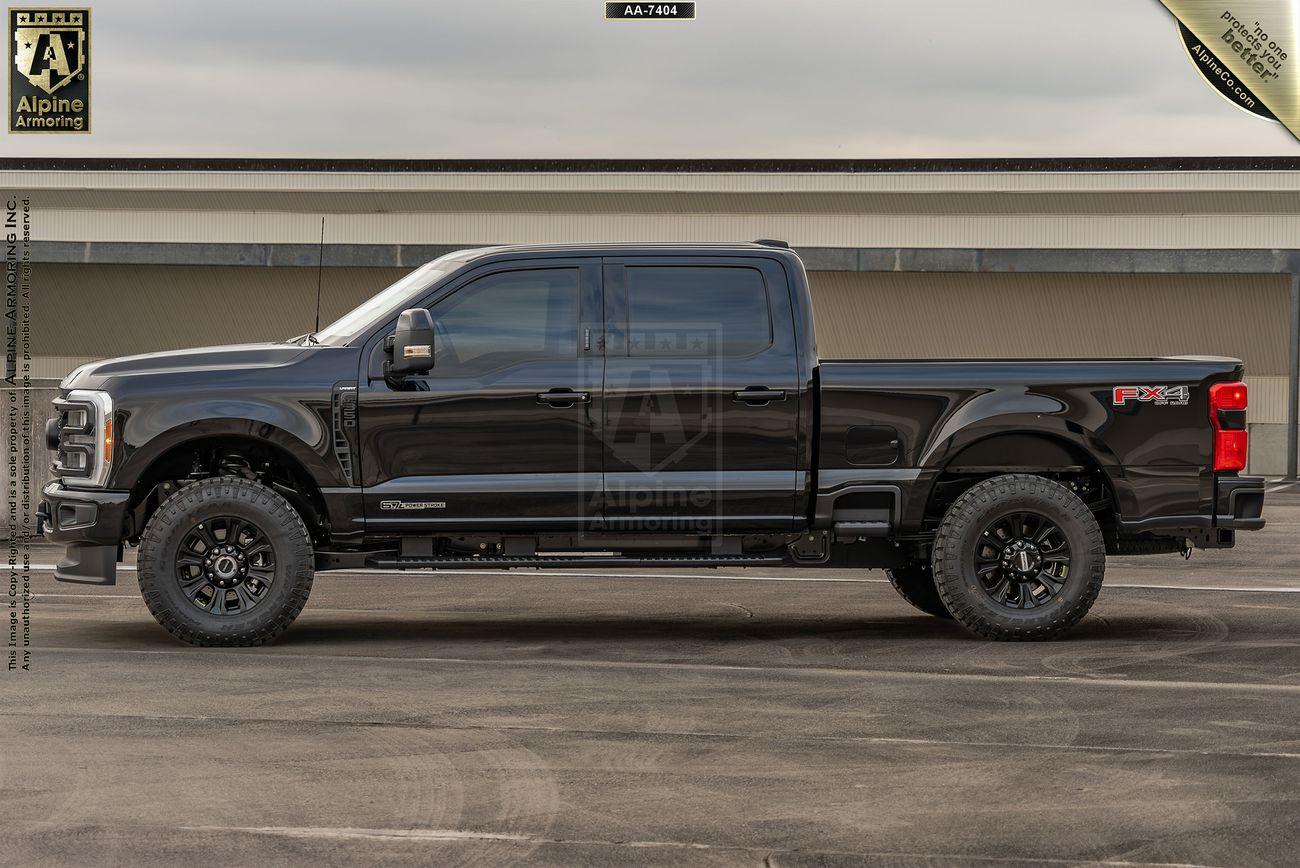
50, 55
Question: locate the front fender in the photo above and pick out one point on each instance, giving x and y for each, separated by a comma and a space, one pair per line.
149, 430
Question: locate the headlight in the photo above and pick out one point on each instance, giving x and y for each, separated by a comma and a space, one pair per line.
85, 438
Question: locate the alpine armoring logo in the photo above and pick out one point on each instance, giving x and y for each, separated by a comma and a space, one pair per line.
1175, 396
49, 76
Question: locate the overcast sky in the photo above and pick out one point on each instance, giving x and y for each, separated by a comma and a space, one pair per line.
551, 78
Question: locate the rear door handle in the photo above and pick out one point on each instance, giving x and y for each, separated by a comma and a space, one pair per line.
563, 397
757, 397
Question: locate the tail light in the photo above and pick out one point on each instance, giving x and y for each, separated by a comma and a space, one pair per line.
1228, 418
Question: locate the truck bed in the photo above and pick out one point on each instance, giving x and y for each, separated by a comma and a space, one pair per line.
903, 423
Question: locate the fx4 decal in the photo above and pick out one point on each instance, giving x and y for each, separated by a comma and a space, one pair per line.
1162, 395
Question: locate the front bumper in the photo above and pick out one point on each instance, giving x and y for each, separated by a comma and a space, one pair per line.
88, 523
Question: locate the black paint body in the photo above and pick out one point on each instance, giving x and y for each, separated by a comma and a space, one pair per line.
761, 442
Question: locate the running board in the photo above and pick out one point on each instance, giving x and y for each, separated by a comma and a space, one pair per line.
847, 531
470, 562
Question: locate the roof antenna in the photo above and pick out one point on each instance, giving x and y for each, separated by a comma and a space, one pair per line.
320, 271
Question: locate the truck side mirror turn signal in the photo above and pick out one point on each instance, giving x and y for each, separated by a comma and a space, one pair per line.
410, 347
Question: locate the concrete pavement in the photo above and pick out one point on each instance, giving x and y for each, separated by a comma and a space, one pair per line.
716, 718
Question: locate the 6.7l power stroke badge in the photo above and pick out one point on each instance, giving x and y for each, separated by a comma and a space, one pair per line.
49, 80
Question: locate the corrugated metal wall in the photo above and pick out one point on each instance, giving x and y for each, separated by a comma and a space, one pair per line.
1007, 179
902, 229
911, 315
579, 201
140, 308
95, 311
990, 209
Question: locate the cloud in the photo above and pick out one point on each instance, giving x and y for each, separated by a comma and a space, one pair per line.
762, 78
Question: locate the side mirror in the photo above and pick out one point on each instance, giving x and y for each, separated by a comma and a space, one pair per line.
411, 346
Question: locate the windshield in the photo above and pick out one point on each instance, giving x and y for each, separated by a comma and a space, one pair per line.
394, 298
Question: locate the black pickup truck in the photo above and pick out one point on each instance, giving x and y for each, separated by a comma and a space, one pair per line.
595, 405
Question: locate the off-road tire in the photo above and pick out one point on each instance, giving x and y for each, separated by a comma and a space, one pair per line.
915, 583
954, 558
225, 496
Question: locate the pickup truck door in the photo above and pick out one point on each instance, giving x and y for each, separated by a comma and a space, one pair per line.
502, 434
702, 395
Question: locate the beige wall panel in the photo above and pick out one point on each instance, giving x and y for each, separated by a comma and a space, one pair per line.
56, 367
908, 315
1201, 231
875, 315
868, 315
887, 315
124, 309
1267, 399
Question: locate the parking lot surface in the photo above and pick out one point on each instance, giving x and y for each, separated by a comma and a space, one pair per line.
632, 717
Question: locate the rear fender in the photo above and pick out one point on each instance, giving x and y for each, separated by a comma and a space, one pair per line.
996, 432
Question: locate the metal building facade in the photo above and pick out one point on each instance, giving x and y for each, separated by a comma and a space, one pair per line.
937, 259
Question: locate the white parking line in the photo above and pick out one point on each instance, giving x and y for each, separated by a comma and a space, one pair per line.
623, 732
1281, 487
527, 571
1276, 589
1142, 586
340, 833
252, 656
366, 571
91, 596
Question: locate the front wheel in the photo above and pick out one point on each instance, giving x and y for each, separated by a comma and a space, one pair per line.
225, 561
1018, 557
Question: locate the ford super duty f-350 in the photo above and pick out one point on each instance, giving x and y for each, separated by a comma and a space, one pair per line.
591, 405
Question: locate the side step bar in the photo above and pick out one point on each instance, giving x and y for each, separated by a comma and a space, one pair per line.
470, 562
847, 531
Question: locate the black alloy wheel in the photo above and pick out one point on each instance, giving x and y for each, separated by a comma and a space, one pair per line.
225, 561
1018, 557
225, 565
1022, 560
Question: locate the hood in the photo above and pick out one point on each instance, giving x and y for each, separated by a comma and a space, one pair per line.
237, 357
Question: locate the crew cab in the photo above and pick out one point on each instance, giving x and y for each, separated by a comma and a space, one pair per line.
632, 405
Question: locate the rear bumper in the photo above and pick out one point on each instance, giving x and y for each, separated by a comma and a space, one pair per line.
88, 524
1238, 505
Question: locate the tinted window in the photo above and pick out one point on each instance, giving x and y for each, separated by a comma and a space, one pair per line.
364, 315
508, 318
687, 311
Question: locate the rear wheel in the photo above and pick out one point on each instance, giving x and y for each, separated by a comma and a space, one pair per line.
1018, 557
225, 561
915, 583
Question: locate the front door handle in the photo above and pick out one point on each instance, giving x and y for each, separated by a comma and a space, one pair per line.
563, 397
756, 396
